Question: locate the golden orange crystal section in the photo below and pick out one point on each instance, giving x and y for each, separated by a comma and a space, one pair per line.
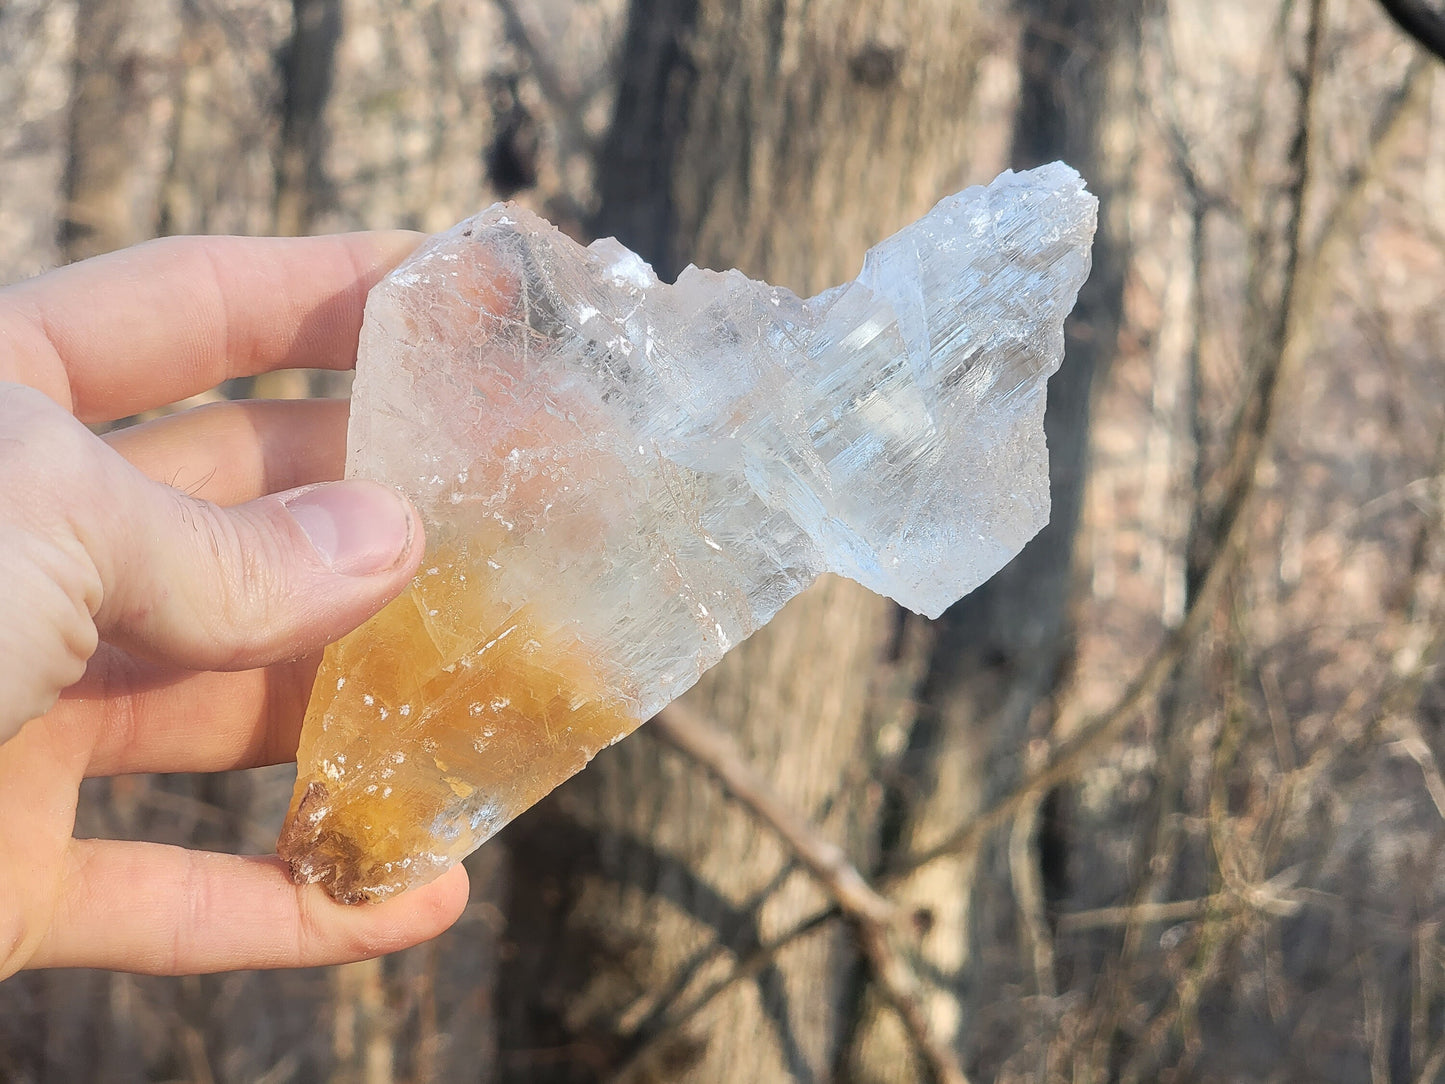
416, 748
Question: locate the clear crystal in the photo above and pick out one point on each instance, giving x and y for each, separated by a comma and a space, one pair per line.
621, 479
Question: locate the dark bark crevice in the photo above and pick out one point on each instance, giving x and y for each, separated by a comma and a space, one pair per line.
640, 151
546, 1042
307, 63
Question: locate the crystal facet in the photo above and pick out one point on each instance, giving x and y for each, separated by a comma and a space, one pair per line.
620, 479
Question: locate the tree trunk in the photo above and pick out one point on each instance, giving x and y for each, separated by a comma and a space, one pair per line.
999, 654
36, 69
783, 139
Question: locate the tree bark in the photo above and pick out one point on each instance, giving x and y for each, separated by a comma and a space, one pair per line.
782, 138
36, 70
120, 109
1001, 652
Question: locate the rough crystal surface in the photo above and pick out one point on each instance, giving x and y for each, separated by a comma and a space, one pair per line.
621, 479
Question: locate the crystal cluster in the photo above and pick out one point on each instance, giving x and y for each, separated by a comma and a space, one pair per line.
621, 479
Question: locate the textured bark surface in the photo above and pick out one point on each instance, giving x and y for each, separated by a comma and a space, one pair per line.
783, 139
998, 655
36, 72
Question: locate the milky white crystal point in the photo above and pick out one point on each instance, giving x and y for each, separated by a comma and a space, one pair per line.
621, 479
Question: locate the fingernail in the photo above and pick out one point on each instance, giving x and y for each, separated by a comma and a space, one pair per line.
357, 528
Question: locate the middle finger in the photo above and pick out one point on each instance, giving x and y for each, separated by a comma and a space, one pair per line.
234, 452
141, 717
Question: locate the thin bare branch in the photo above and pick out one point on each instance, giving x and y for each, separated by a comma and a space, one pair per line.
747, 968
687, 732
874, 918
1422, 22
899, 985
1275, 896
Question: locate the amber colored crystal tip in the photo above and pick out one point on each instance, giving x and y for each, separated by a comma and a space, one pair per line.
316, 853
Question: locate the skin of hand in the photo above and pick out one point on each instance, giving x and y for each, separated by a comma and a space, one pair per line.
164, 591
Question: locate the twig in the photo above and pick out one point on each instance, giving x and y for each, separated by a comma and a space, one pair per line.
748, 967
874, 918
1065, 759
284, 1069
1028, 890
1276, 896
687, 732
195, 1046
1376, 1036
899, 985
1138, 914
1415, 658
1420, 21
1413, 745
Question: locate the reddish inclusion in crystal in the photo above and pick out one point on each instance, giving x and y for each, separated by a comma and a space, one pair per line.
413, 735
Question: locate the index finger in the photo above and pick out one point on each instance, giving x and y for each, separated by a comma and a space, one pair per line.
149, 325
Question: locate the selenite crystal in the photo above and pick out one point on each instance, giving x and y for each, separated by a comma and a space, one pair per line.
621, 479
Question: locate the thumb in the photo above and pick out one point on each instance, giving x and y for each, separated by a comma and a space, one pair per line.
99, 549
211, 588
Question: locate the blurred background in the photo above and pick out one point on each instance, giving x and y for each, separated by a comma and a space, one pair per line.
1162, 802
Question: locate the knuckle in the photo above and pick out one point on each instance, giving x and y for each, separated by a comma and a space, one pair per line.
324, 935
22, 934
186, 946
364, 942
121, 719
55, 589
47, 455
328, 932
240, 610
28, 919
54, 477
16, 940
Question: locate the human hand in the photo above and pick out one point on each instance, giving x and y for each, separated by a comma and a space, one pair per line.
163, 592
